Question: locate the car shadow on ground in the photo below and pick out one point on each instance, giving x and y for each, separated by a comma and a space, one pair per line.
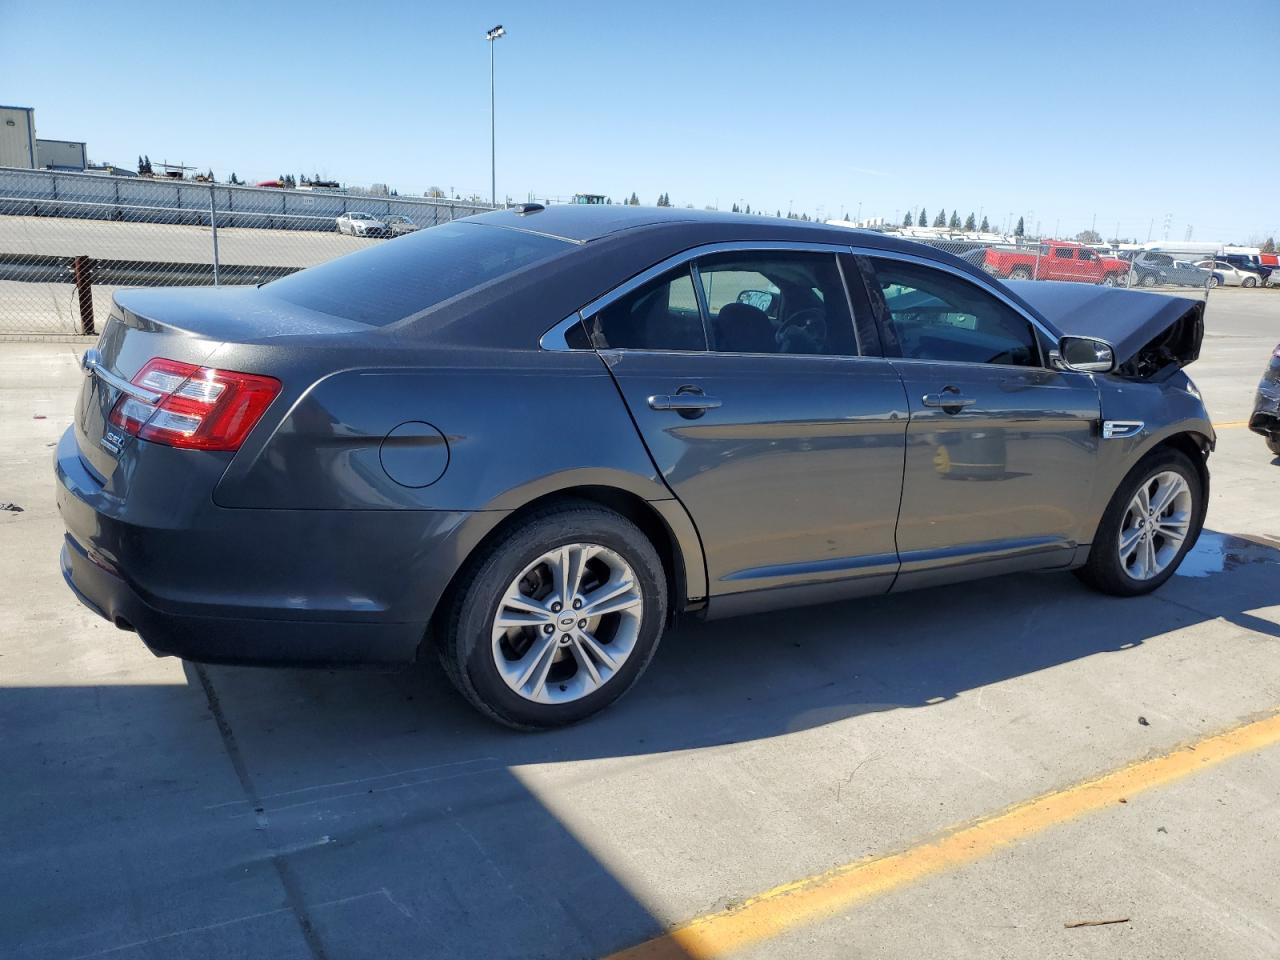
349, 814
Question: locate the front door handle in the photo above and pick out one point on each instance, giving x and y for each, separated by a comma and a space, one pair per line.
950, 400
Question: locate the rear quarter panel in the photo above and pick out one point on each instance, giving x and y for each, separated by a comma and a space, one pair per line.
518, 424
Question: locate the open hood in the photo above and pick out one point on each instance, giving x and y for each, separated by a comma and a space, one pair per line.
1153, 334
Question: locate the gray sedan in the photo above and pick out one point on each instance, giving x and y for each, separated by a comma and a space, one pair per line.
399, 225
524, 442
1159, 268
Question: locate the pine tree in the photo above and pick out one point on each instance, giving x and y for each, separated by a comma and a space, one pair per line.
734, 209
907, 221
146, 165
954, 222
1020, 229
970, 224
142, 167
748, 208
634, 201
923, 219
985, 226
941, 219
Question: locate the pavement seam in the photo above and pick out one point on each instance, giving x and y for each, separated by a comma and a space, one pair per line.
293, 897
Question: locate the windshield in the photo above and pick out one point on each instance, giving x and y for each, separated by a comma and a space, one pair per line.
392, 281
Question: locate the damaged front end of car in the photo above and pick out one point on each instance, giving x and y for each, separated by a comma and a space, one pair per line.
1152, 336
1266, 407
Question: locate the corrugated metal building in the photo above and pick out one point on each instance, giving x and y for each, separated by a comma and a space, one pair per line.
60, 154
17, 137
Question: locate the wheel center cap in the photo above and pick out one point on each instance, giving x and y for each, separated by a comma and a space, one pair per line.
568, 621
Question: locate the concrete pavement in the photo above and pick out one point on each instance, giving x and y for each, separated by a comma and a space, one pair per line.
155, 809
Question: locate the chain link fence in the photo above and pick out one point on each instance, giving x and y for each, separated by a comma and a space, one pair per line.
68, 241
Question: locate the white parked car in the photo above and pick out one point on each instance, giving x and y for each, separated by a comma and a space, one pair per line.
359, 224
1230, 275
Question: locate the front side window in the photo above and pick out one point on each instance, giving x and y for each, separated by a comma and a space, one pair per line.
934, 315
660, 315
1087, 255
777, 302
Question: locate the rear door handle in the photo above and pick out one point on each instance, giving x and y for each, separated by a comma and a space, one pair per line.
948, 400
683, 402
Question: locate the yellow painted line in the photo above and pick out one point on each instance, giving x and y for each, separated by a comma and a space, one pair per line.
792, 905
1230, 424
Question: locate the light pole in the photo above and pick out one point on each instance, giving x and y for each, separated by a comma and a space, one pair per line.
494, 34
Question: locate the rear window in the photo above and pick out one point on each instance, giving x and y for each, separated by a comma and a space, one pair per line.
399, 278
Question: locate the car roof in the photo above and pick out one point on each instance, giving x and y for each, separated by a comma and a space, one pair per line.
583, 223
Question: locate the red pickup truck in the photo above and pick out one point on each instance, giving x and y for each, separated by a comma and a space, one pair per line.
1056, 260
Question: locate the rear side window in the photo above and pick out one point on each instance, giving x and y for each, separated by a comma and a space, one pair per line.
934, 315
777, 302
661, 315
766, 302
399, 278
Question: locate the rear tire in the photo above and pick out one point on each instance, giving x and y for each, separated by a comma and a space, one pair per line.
1148, 280
570, 677
1111, 569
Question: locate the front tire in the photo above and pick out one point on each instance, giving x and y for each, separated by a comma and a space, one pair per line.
1153, 519
1249, 282
556, 619
1273, 444
1019, 273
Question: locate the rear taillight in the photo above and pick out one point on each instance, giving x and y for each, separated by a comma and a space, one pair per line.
198, 408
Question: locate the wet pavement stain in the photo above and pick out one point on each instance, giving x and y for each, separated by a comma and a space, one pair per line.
1220, 552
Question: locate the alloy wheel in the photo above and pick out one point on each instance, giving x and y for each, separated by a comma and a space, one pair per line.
1155, 525
566, 625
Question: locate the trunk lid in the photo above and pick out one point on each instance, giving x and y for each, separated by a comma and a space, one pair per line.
186, 325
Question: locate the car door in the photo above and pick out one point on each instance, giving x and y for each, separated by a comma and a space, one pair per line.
781, 436
1088, 266
1001, 449
1063, 266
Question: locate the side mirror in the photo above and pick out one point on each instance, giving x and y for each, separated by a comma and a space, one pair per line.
1086, 355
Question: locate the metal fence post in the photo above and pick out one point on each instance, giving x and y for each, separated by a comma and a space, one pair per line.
1039, 250
213, 222
82, 273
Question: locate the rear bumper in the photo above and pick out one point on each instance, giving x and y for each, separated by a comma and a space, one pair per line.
233, 639
221, 585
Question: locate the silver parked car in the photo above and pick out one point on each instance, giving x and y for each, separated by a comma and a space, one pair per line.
357, 224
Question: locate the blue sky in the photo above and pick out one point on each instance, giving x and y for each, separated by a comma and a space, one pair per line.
1055, 111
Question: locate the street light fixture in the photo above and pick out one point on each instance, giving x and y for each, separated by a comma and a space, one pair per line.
496, 33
